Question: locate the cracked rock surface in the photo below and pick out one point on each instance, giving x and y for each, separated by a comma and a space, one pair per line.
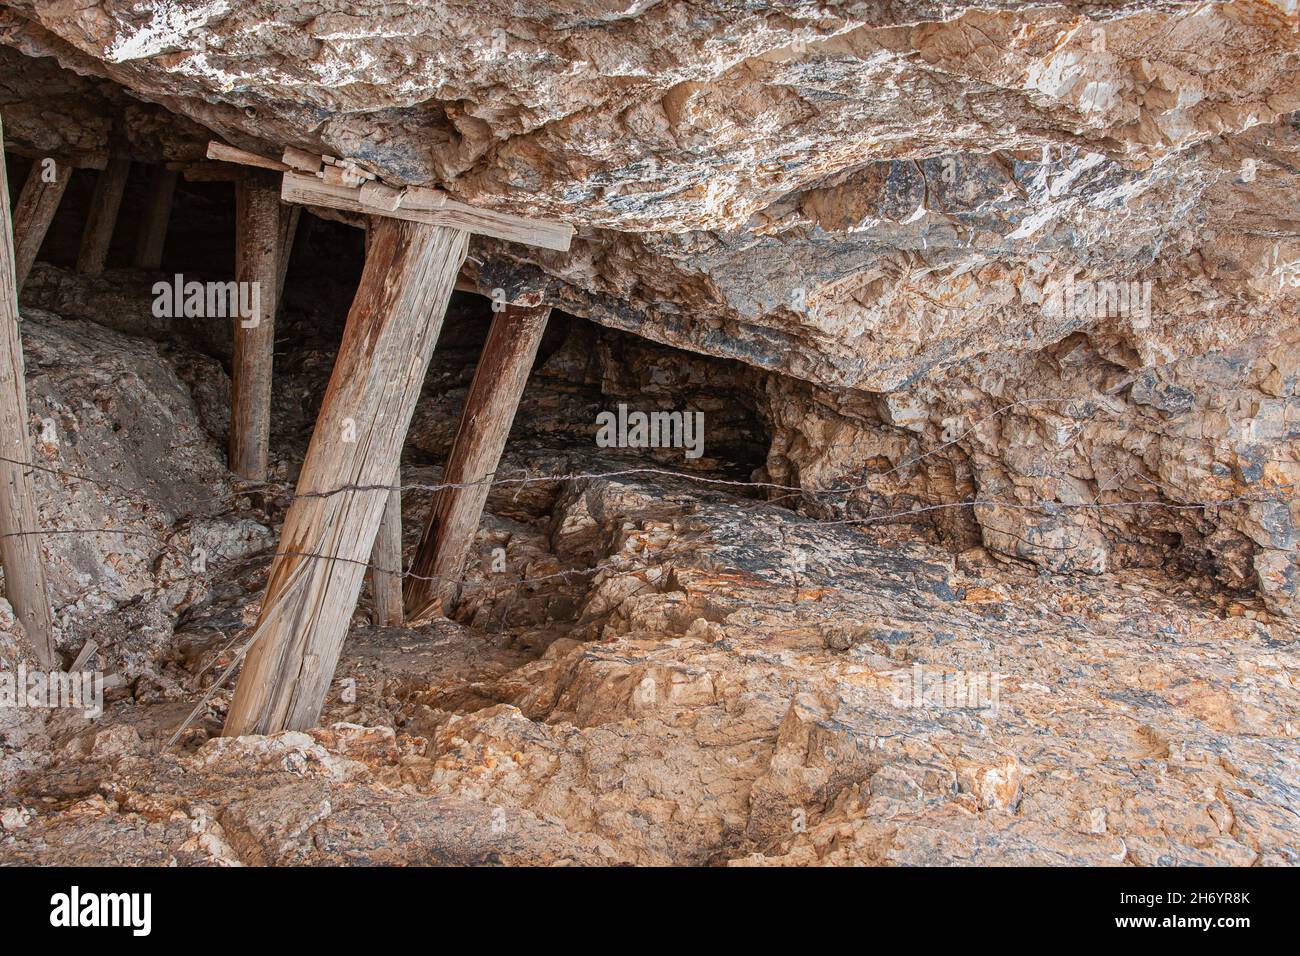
992, 556
1084, 209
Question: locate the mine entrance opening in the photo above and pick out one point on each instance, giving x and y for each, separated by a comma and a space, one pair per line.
582, 370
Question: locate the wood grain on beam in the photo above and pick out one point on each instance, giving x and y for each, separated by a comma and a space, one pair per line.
499, 381
230, 154
430, 207
20, 542
329, 531
257, 260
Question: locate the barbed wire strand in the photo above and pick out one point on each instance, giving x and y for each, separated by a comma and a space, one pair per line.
1049, 506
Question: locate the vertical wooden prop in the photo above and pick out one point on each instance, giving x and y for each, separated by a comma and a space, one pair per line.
157, 214
386, 560
104, 205
258, 230
485, 424
20, 544
37, 204
330, 528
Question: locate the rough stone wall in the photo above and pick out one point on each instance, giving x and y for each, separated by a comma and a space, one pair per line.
890, 207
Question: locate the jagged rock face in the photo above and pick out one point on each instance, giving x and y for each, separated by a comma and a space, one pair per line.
132, 489
707, 698
906, 205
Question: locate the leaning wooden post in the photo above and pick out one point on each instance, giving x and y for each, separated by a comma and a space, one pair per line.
37, 204
386, 560
20, 543
485, 424
157, 215
257, 262
100, 222
330, 528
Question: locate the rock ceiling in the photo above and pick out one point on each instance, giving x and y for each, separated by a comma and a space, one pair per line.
848, 193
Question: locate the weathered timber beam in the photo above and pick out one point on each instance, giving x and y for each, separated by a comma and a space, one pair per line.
100, 222
37, 204
20, 543
430, 207
230, 154
157, 215
386, 560
490, 406
302, 160
258, 261
329, 530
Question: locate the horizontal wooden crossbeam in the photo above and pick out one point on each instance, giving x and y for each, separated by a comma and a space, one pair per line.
330, 183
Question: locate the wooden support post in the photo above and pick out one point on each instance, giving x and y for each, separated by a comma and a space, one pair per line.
257, 260
37, 204
157, 214
330, 528
104, 204
20, 543
485, 424
386, 560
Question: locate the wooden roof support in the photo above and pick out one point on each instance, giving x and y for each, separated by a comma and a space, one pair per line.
37, 204
332, 183
330, 529
427, 206
242, 157
102, 219
499, 381
157, 216
20, 542
258, 258
416, 244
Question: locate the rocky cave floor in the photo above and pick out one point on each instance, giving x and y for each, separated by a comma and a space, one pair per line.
667, 670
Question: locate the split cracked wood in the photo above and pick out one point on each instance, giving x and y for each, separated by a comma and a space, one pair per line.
494, 394
353, 457
20, 542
